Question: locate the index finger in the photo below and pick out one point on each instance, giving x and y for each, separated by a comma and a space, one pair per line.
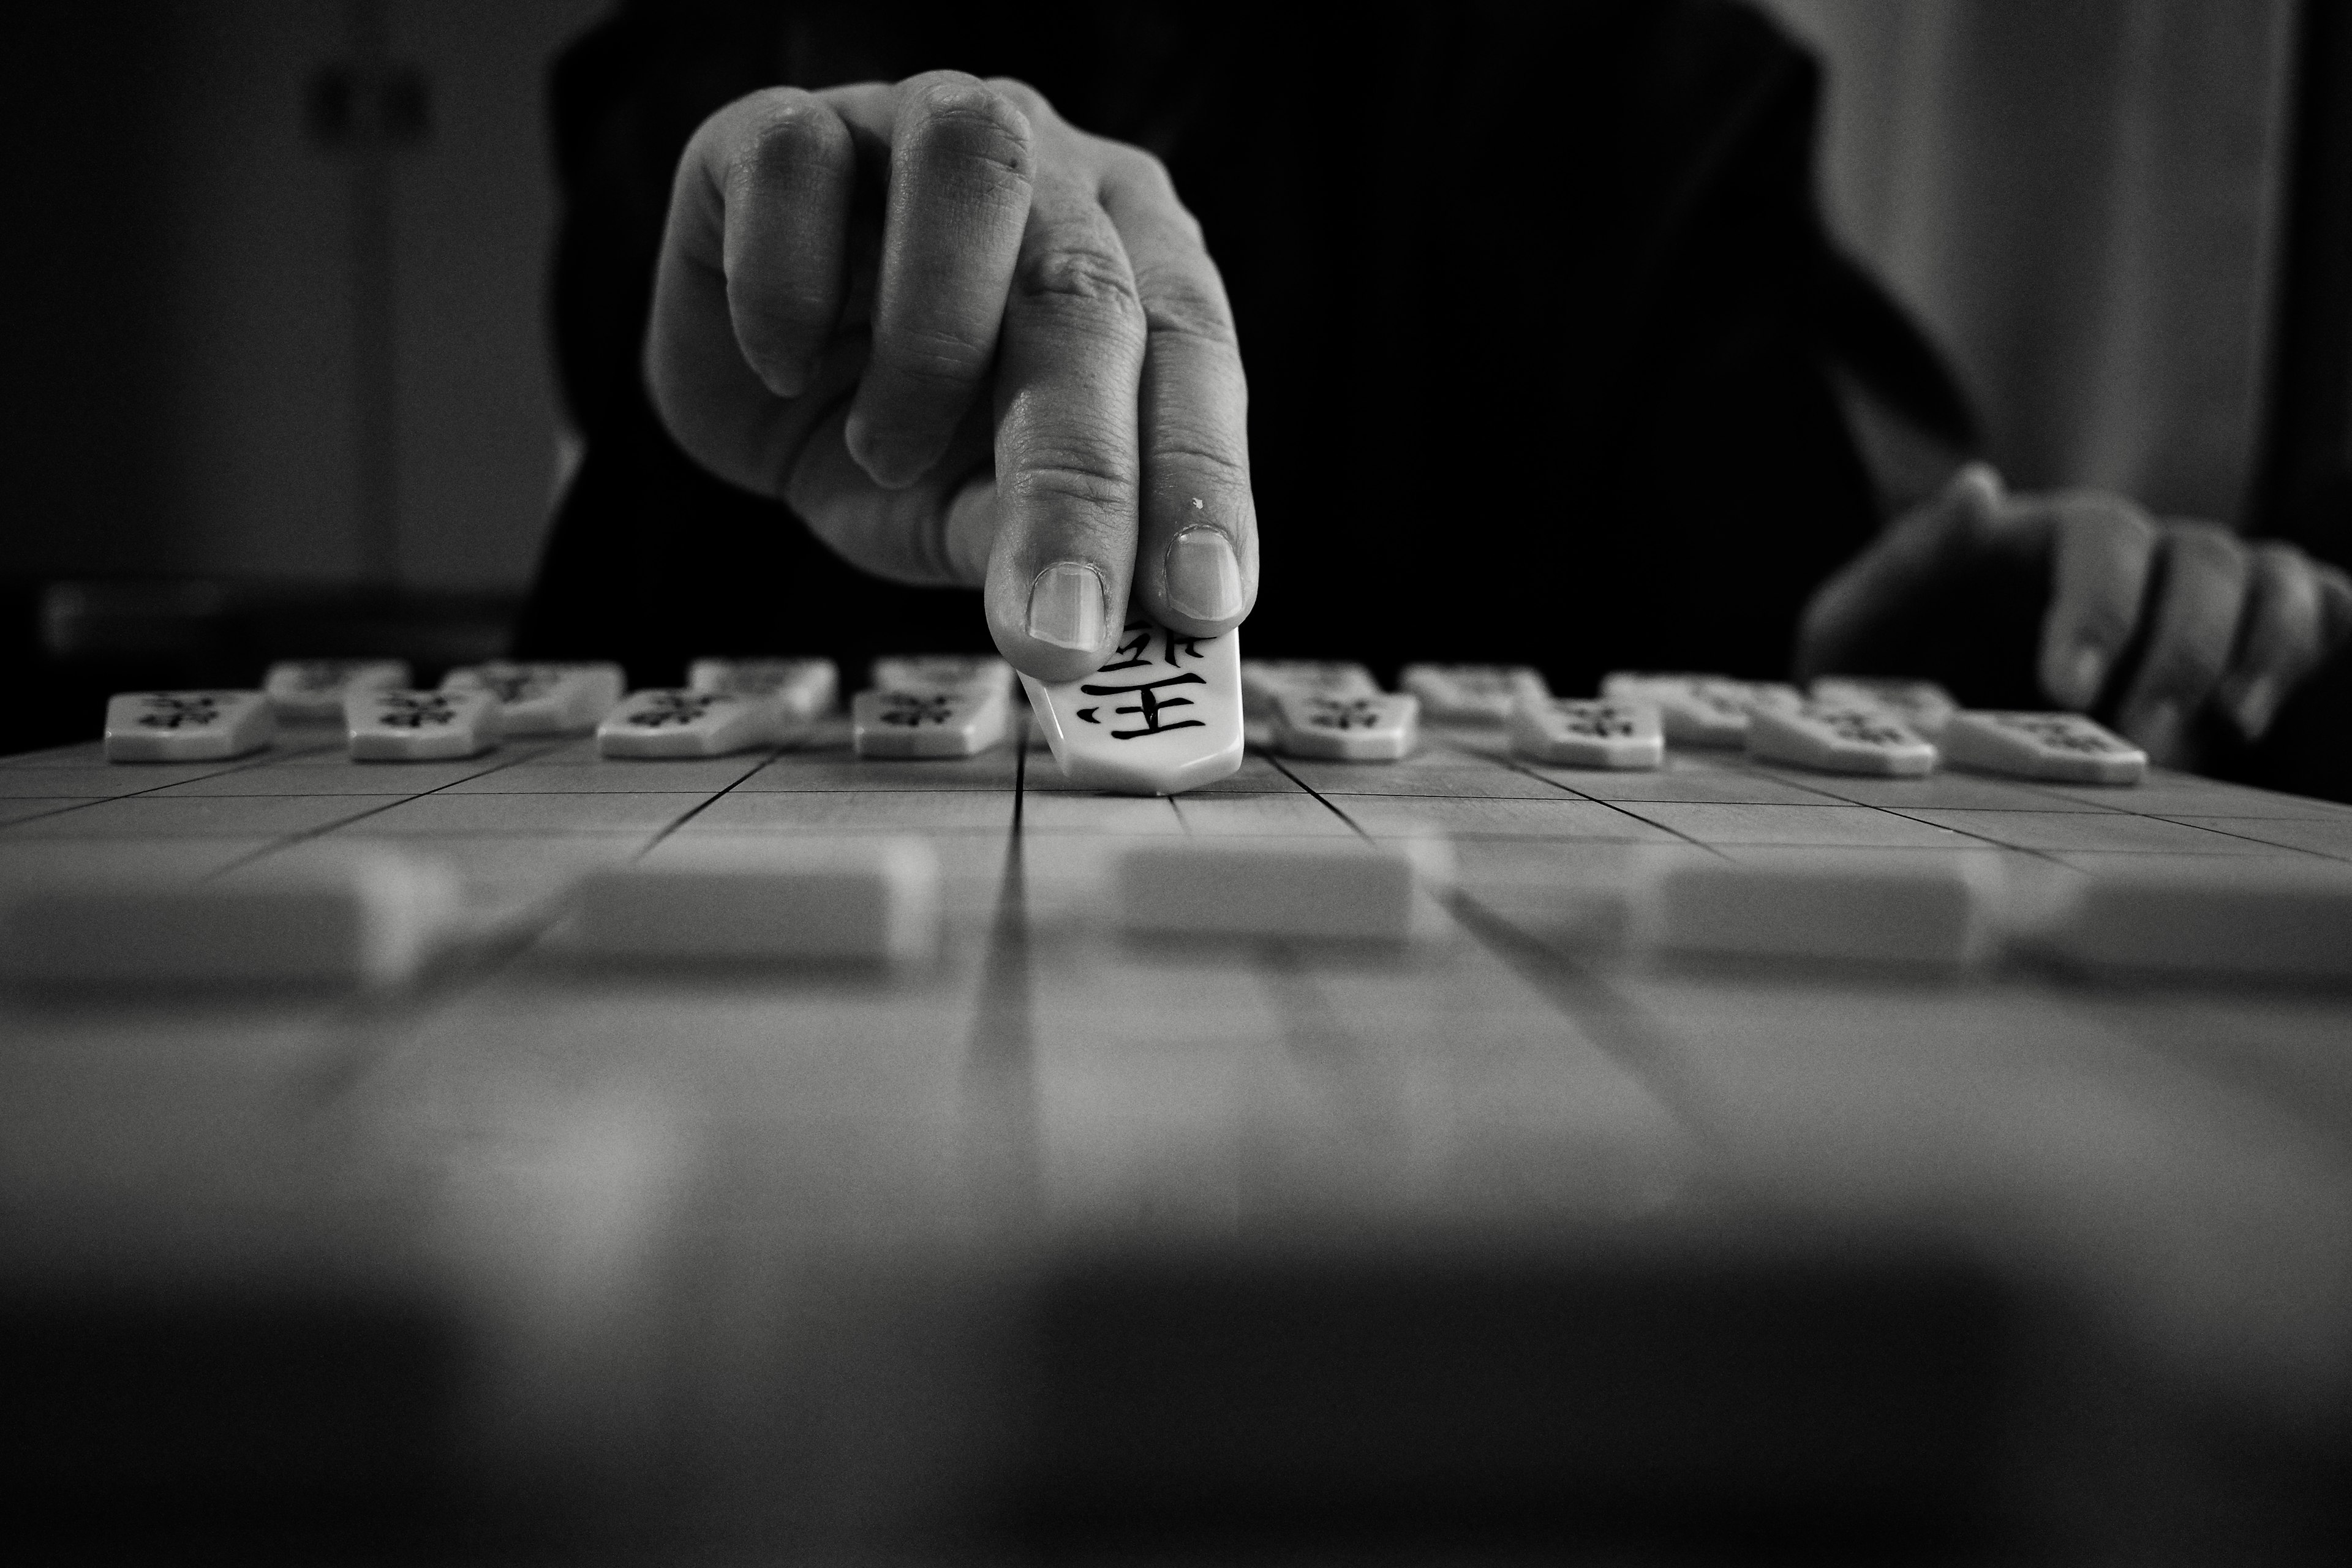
2104, 548
1196, 548
1067, 466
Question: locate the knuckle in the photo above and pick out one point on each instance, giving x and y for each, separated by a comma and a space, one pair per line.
2205, 546
1095, 484
2105, 621
1083, 274
934, 358
2107, 516
1204, 462
1178, 306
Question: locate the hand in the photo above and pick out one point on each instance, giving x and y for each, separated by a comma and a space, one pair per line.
2158, 623
967, 343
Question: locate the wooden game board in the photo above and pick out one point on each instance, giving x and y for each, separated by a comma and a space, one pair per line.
805, 1208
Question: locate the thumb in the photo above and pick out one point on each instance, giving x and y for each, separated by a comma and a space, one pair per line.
1914, 551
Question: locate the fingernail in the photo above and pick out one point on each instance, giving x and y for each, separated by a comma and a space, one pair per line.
2158, 729
2256, 706
1066, 606
1204, 581
2085, 673
883, 464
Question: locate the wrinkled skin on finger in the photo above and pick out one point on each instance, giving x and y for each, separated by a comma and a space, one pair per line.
968, 343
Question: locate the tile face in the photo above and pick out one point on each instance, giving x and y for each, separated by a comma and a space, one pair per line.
544, 699
1588, 732
2090, 830
1482, 693
1839, 741
2235, 919
2066, 748
186, 726
1922, 706
398, 726
312, 690
1344, 889
942, 722
1559, 818
1699, 709
605, 812
778, 897
1162, 715
804, 689
1264, 680
1923, 911
1377, 728
942, 671
670, 722
358, 917
1826, 826
162, 816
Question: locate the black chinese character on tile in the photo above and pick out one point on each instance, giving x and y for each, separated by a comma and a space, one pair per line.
168, 712
415, 709
678, 707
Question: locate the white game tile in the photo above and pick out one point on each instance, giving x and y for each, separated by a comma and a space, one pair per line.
1264, 680
396, 726
1927, 911
2066, 748
804, 689
552, 699
320, 916
1162, 715
1378, 727
775, 898
311, 691
1589, 732
942, 671
1471, 692
942, 722
668, 721
186, 726
1325, 889
1922, 705
1700, 709
1840, 741
2251, 918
